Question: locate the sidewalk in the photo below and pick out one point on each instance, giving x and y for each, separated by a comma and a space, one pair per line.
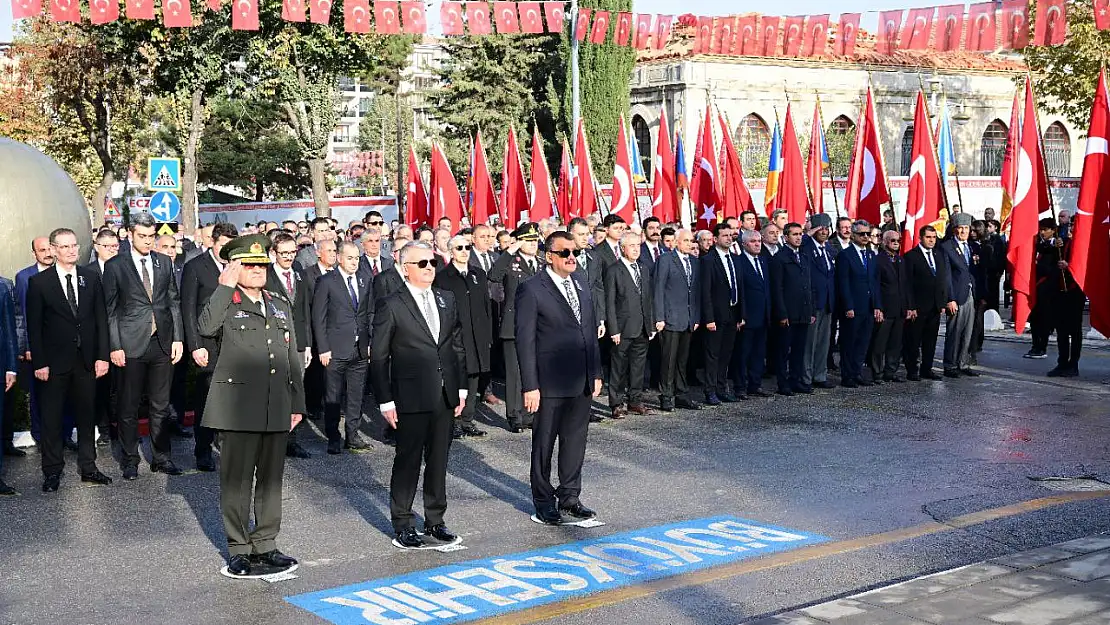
1063, 584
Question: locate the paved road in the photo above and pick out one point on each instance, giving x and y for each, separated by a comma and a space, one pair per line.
856, 466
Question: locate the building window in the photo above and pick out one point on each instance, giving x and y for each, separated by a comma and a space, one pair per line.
841, 126
642, 136
754, 139
1057, 150
907, 150
992, 149
839, 138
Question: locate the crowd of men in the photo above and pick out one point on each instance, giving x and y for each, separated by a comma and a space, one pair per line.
105, 344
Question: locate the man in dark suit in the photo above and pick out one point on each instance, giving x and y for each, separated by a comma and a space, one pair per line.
823, 285
374, 260
388, 282
106, 248
857, 295
755, 280
284, 281
199, 280
630, 324
418, 368
315, 381
837, 244
44, 259
471, 290
341, 316
8, 348
67, 330
608, 251
145, 333
926, 298
962, 271
516, 265
886, 341
722, 313
560, 371
792, 310
676, 291
652, 247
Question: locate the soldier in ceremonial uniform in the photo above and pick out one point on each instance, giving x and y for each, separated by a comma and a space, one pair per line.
514, 266
256, 398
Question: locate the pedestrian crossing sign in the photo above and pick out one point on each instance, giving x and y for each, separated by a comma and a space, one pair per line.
163, 174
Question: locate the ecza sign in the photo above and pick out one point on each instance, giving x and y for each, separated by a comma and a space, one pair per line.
483, 588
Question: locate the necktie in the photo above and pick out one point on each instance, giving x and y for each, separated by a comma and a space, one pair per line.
655, 254
147, 285
351, 289
262, 307
686, 266
572, 299
71, 294
863, 257
374, 267
734, 293
289, 282
929, 257
430, 315
967, 255
636, 275
759, 267
531, 265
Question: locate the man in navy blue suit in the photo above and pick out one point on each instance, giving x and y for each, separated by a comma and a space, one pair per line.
755, 276
857, 293
560, 370
722, 314
677, 311
823, 284
792, 310
963, 265
8, 348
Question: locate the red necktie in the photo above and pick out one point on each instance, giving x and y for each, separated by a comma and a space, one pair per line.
656, 254
289, 281
374, 267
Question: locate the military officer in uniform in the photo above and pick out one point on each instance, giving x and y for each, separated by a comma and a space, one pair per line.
256, 398
517, 264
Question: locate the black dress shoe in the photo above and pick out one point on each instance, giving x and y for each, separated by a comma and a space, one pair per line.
594, 418
130, 473
274, 558
549, 517
206, 464
69, 444
952, 373
825, 384
103, 440
863, 382
5, 490
440, 532
1056, 372
167, 467
712, 400
804, 390
913, 377
666, 405
515, 428
389, 437
759, 393
893, 378
356, 443
51, 483
971, 373
877, 381
728, 398
409, 538
294, 450
929, 375
472, 430
335, 447
578, 511
96, 478
239, 565
1071, 372
14, 452
456, 431
786, 392
686, 404
849, 384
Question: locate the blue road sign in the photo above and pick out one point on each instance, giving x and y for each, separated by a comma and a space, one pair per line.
165, 206
163, 174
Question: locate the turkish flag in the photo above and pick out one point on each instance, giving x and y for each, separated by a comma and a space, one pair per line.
556, 18
925, 194
664, 189
583, 194
445, 200
65, 11
414, 21
815, 38
747, 29
643, 31
450, 16
566, 175
623, 202
703, 188
477, 18
792, 35
918, 27
531, 19
600, 28
244, 14
662, 31
103, 11
793, 193
886, 40
386, 20
504, 15
27, 8
1090, 239
768, 35
867, 188
416, 195
735, 196
484, 197
1015, 24
319, 11
844, 44
1030, 198
1009, 165
356, 16
623, 35
214, 5
718, 38
703, 36
981, 31
950, 27
543, 200
817, 162
582, 24
293, 10
1052, 23
1102, 15
514, 192
176, 13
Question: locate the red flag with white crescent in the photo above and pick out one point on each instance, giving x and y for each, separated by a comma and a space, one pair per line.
582, 25
65, 11
867, 188
950, 28
1015, 24
176, 13
793, 194
414, 21
846, 34
664, 188
244, 14
815, 166
769, 35
214, 5
504, 15
139, 9
792, 35
103, 11
624, 189
703, 188
734, 195
583, 198
27, 8
1052, 23
623, 36
416, 195
1030, 199
543, 201
815, 38
386, 18
643, 31
356, 16
556, 19
514, 191
1090, 228
918, 27
703, 36
662, 32
450, 17
564, 192
445, 200
1102, 14
886, 39
477, 18
982, 32
485, 198
1009, 165
925, 194
600, 30
319, 11
293, 10
531, 18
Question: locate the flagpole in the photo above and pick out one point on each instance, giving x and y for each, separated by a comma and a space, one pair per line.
832, 181
576, 107
805, 182
1044, 162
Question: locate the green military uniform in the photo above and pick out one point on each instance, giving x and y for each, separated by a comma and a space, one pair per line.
257, 385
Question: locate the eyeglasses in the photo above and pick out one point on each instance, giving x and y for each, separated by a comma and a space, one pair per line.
423, 264
375, 223
561, 253
460, 248
288, 253
875, 236
108, 246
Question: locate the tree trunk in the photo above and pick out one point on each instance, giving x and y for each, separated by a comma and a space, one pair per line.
102, 191
259, 191
188, 217
317, 169
94, 116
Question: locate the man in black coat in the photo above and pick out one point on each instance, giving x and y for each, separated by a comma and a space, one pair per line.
471, 290
676, 291
859, 301
963, 270
791, 310
199, 280
516, 265
388, 282
721, 311
145, 333
418, 368
560, 367
926, 298
315, 380
284, 281
107, 387
67, 330
630, 325
341, 317
886, 340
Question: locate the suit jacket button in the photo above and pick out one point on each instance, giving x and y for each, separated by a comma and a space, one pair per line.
267, 326
242, 327
271, 355
273, 371
229, 379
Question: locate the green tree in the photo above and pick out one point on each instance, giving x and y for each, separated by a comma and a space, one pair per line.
390, 120
1066, 75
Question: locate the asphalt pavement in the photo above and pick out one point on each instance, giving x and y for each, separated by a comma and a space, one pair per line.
894, 482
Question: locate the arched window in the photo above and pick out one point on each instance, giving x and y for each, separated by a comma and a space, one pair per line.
1057, 150
841, 126
839, 138
642, 136
907, 150
992, 149
753, 139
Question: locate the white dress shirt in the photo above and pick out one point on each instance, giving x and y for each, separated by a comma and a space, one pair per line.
633, 270
754, 260
62, 278
560, 283
137, 258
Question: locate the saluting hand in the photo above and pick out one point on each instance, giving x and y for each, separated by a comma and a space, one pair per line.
230, 275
